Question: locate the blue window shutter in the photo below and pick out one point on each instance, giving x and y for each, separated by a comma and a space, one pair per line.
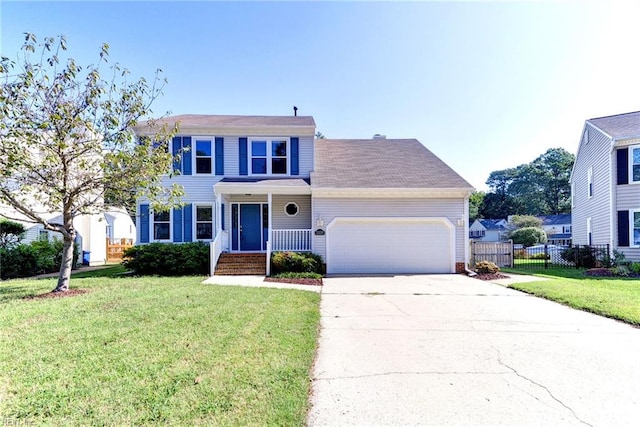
186, 156
187, 213
144, 223
622, 165
243, 156
295, 167
176, 147
219, 155
222, 215
623, 228
177, 225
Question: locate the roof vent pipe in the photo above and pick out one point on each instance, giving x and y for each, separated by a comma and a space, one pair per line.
295, 111
379, 136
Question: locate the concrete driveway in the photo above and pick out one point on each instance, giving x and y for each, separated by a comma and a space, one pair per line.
451, 350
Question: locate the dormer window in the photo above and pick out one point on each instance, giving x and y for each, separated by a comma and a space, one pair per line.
269, 156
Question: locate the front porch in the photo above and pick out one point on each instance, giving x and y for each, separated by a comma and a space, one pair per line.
261, 216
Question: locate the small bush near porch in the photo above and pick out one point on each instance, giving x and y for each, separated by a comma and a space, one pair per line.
167, 259
295, 262
155, 351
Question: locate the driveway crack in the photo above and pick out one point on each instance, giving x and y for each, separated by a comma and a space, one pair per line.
396, 306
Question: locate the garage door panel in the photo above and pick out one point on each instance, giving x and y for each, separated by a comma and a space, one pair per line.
374, 245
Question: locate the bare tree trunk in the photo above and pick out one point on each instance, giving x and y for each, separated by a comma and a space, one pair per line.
67, 263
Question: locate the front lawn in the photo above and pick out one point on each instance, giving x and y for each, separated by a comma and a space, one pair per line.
155, 351
618, 298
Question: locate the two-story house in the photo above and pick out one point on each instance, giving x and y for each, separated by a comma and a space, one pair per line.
263, 183
557, 228
488, 230
605, 184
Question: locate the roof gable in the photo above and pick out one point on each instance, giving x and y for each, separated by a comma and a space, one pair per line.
381, 163
620, 126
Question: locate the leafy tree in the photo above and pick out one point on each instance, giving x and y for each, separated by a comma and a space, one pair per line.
475, 202
320, 135
528, 236
537, 188
522, 221
66, 138
11, 233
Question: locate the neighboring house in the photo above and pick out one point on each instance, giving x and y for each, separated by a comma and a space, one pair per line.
558, 228
90, 231
119, 225
262, 183
488, 230
605, 184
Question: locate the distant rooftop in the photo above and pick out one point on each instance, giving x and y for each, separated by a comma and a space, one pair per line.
555, 219
620, 126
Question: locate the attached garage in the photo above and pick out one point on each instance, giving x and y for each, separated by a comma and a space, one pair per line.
387, 245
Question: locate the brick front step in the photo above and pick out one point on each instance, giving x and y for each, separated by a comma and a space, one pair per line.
241, 265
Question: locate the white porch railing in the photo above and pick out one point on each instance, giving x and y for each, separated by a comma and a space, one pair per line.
291, 240
215, 249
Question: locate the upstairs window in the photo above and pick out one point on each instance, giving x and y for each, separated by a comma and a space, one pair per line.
634, 154
204, 158
590, 183
269, 157
161, 225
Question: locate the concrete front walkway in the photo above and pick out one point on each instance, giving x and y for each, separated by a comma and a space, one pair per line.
451, 350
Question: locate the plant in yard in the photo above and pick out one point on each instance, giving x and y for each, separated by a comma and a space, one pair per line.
11, 233
66, 139
297, 262
581, 256
528, 236
166, 259
486, 267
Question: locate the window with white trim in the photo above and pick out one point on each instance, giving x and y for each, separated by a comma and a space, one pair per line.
590, 182
291, 209
634, 227
269, 156
634, 163
162, 225
204, 222
589, 231
204, 156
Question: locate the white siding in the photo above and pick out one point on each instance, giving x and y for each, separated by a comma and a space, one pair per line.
452, 209
593, 152
627, 197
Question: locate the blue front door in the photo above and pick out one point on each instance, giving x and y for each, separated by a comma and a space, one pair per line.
250, 227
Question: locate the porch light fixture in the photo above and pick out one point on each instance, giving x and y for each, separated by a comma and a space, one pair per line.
460, 222
319, 222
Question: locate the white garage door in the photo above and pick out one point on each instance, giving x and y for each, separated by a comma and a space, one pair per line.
390, 245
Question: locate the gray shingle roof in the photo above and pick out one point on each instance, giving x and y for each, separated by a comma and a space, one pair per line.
555, 219
492, 224
205, 120
619, 126
381, 163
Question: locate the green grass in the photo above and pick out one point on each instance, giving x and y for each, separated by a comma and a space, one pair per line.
618, 298
155, 351
292, 275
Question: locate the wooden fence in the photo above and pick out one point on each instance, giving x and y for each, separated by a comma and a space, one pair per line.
499, 253
116, 248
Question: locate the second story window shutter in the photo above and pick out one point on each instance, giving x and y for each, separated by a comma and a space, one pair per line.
176, 150
623, 228
144, 223
219, 155
187, 214
622, 165
186, 155
295, 156
177, 225
242, 145
222, 216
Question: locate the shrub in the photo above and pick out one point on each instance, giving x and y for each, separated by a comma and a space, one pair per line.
634, 268
486, 267
11, 233
540, 255
582, 256
166, 259
520, 254
528, 236
295, 262
31, 259
620, 270
599, 272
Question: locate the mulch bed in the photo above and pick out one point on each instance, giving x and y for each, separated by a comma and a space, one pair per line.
490, 276
69, 293
300, 281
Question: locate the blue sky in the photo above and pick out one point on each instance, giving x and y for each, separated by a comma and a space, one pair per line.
484, 85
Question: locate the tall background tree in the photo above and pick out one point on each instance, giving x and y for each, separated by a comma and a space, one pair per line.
66, 138
537, 188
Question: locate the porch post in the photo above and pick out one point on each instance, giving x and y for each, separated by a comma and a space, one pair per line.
218, 214
269, 201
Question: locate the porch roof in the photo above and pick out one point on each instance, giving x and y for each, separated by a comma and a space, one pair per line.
262, 186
